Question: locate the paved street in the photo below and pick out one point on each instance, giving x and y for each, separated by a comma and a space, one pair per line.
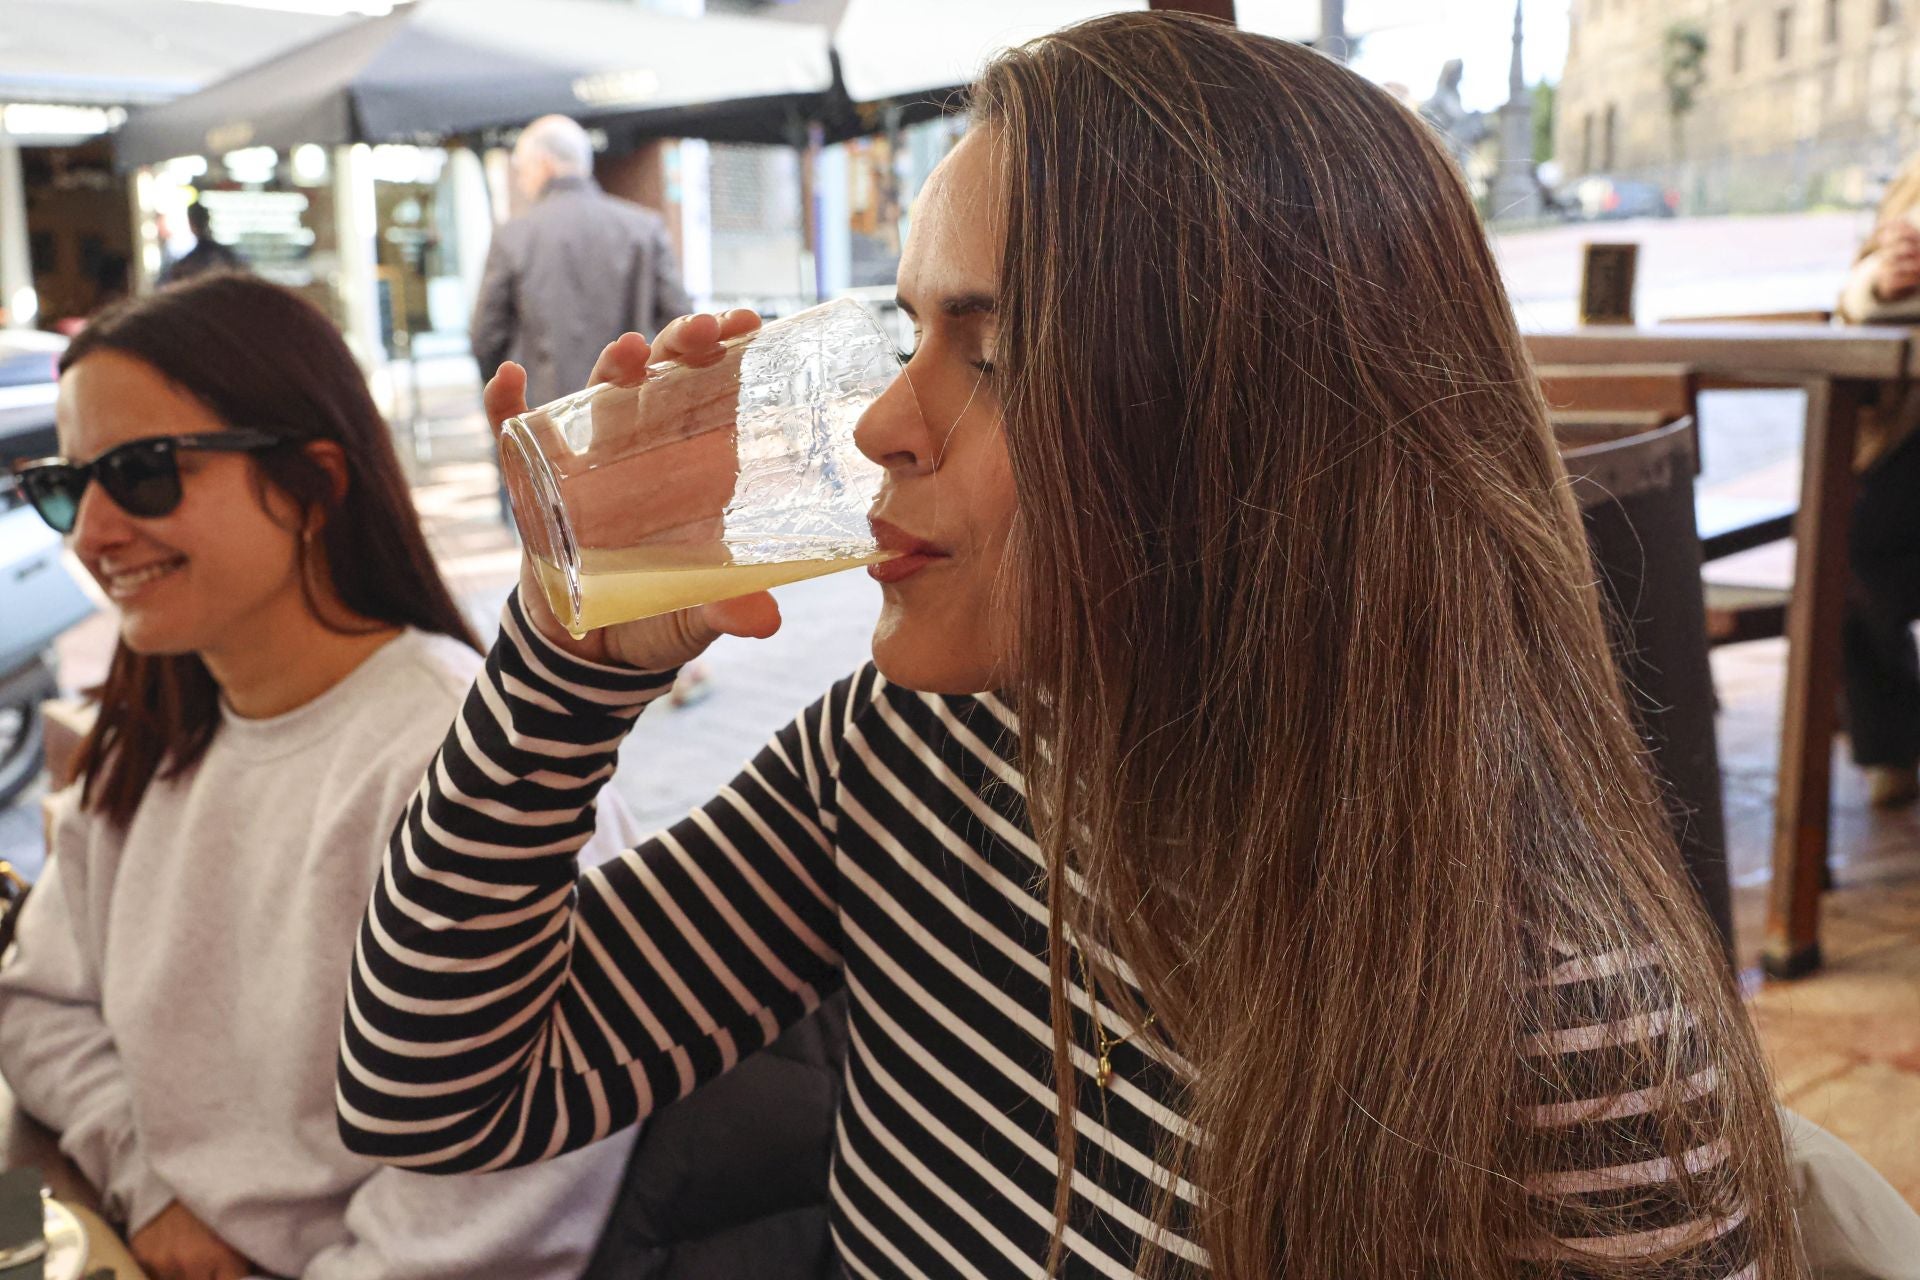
1690, 266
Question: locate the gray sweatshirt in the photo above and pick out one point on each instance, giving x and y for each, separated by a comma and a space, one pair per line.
172, 1004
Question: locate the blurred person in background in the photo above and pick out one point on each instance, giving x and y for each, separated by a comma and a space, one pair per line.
573, 271
1881, 667
289, 658
1239, 855
207, 253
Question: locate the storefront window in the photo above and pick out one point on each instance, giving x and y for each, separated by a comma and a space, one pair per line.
79, 242
277, 210
276, 214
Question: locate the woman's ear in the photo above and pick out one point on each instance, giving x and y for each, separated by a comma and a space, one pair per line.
332, 459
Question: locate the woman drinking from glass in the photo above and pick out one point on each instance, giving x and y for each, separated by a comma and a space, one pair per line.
1238, 854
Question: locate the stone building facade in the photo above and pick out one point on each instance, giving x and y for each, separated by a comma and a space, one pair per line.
1798, 102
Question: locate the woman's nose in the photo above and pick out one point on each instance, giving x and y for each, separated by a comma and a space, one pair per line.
892, 432
99, 524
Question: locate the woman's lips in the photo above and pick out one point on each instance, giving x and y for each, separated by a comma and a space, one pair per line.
899, 569
909, 555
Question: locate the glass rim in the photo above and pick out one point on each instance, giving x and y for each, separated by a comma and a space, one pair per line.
560, 550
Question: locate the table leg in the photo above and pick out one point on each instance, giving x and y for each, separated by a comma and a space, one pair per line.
1801, 810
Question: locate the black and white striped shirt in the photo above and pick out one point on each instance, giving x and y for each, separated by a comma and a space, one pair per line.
504, 1008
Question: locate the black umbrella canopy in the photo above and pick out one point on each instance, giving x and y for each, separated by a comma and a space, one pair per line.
896, 62
786, 120
438, 68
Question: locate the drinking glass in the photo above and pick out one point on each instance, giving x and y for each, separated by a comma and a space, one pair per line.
708, 480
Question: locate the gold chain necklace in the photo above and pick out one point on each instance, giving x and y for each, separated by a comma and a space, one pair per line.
1103, 1073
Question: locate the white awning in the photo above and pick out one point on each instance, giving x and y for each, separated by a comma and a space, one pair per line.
903, 48
128, 52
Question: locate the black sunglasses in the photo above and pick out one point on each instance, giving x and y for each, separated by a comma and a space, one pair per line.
142, 476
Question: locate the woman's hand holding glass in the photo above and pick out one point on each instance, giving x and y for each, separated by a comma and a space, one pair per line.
668, 640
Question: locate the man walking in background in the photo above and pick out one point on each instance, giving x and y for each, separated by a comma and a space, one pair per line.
575, 270
207, 253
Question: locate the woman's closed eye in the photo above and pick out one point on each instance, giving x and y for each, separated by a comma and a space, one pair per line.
905, 356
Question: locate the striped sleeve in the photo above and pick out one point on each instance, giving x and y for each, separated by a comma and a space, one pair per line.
1622, 1112
504, 1008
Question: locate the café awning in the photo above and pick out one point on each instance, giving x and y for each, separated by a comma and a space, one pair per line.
912, 49
895, 62
441, 68
915, 49
435, 69
129, 52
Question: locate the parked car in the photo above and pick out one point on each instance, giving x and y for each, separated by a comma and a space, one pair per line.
1599, 197
39, 597
29, 379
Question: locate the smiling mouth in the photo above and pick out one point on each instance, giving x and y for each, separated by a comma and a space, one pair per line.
126, 583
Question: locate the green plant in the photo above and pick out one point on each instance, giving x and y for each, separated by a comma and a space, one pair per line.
1546, 98
1683, 69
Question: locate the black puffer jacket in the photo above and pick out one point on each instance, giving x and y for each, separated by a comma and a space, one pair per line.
732, 1181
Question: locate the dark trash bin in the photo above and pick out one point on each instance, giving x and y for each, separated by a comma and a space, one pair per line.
1636, 498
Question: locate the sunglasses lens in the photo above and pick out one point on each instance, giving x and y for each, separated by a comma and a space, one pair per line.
144, 482
55, 494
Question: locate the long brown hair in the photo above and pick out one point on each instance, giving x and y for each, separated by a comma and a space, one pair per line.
261, 357
1301, 584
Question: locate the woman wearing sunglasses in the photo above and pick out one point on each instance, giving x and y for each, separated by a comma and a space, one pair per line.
1238, 856
288, 660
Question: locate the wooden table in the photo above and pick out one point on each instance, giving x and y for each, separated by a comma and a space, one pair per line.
23, 1142
1841, 370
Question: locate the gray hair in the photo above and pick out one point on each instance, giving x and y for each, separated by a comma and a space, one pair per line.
562, 141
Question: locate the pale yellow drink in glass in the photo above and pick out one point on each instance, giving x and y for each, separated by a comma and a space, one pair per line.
623, 584
705, 481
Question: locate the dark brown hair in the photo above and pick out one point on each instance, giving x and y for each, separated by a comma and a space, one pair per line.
1301, 584
261, 357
